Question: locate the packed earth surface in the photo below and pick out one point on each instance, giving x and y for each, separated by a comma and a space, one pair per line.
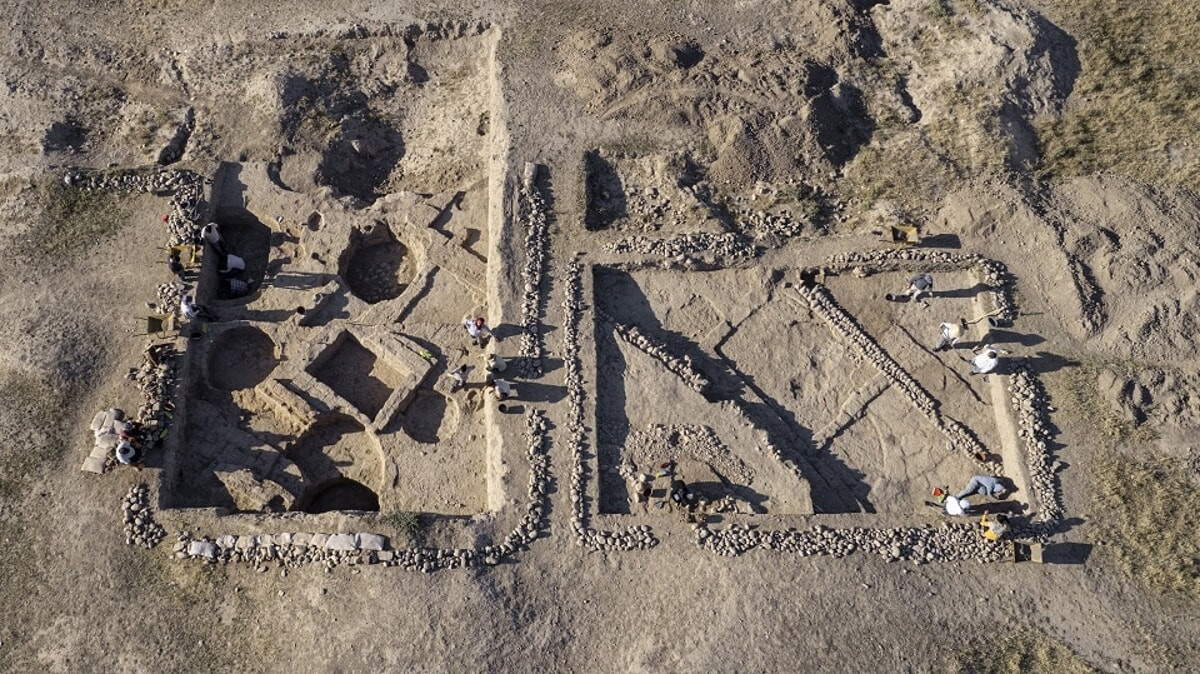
690, 229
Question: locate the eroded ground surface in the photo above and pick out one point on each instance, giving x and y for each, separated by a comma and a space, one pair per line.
667, 214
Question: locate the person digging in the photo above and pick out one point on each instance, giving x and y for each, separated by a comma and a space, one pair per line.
918, 286
128, 454
950, 333
501, 388
986, 360
458, 377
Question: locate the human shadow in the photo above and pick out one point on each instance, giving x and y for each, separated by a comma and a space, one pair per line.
995, 336
962, 292
534, 392
941, 241
1045, 362
1066, 553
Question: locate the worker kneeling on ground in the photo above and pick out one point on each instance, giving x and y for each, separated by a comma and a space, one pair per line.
993, 527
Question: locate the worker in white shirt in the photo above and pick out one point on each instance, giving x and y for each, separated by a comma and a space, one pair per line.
211, 235
477, 330
986, 360
501, 388
192, 311
950, 333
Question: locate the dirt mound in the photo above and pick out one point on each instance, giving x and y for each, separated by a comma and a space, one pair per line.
1137, 246
757, 115
982, 70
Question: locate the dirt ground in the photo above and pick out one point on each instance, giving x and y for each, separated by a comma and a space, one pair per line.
697, 157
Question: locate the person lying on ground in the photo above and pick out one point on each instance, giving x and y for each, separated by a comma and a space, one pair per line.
987, 485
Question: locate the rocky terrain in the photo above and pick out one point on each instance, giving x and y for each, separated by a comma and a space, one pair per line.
674, 218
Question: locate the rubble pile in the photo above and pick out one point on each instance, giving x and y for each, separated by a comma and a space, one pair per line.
659, 443
140, 527
533, 301
169, 295
634, 537
156, 378
728, 246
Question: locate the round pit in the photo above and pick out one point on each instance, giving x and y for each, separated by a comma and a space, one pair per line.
240, 358
380, 272
342, 495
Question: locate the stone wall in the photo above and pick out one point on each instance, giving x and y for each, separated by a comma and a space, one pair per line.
534, 217
292, 550
631, 538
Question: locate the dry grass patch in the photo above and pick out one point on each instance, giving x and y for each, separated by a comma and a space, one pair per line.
1017, 652
1147, 507
72, 221
32, 423
1135, 108
1143, 503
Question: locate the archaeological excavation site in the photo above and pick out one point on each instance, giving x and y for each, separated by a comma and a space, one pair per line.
613, 337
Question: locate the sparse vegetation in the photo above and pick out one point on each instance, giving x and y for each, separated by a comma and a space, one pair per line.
72, 222
1146, 507
1015, 652
1135, 108
411, 524
1080, 383
32, 425
1143, 503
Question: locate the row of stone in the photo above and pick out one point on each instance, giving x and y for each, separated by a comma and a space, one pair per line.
140, 527
1031, 405
292, 550
726, 247
286, 549
992, 273
844, 326
534, 216
680, 366
950, 542
434, 30
156, 378
185, 187
631, 538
